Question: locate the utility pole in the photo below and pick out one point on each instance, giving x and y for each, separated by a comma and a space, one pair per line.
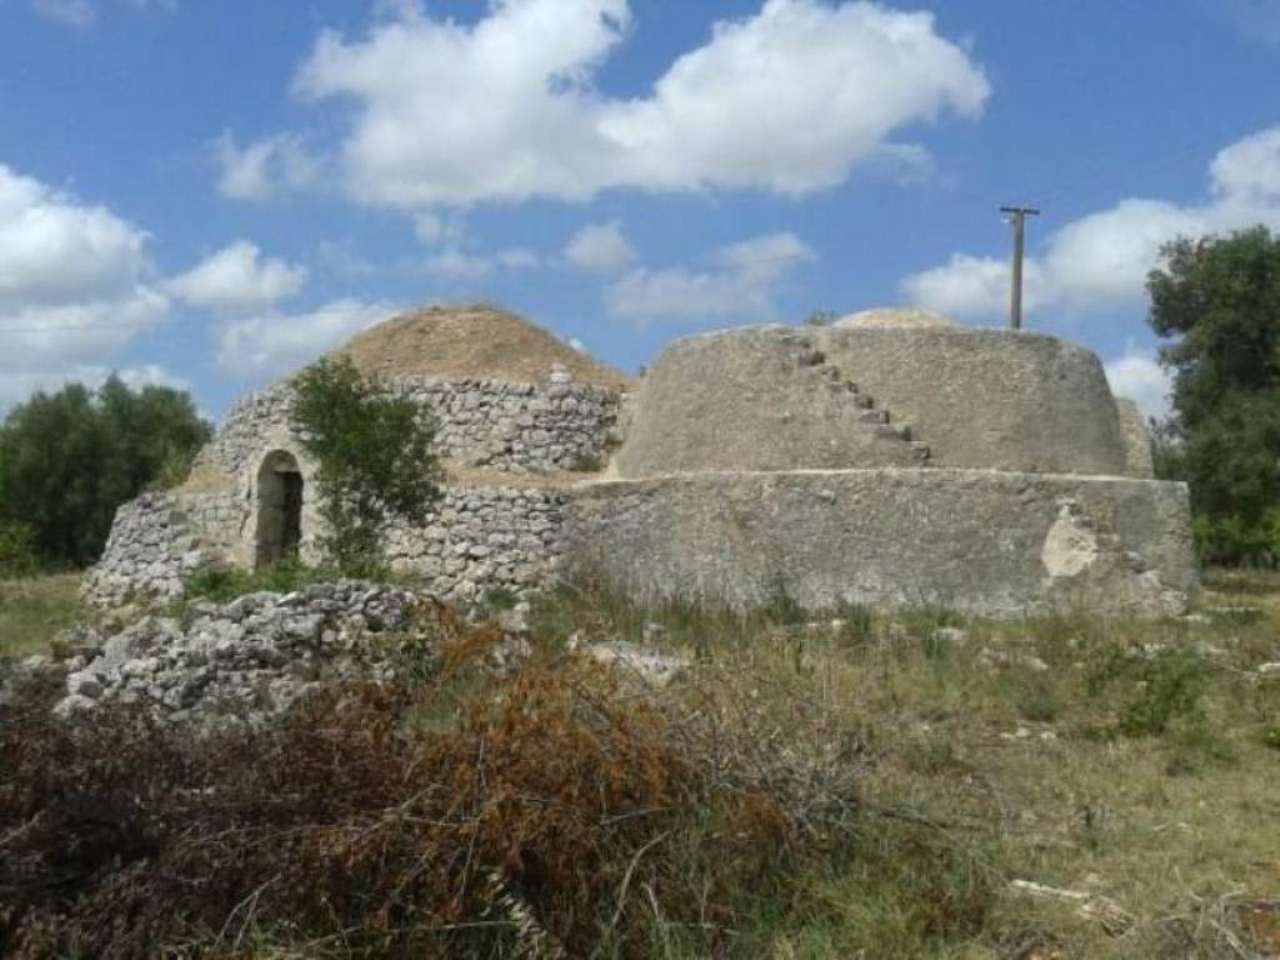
1018, 217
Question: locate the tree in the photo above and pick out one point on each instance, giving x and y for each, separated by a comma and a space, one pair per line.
1218, 299
374, 459
71, 458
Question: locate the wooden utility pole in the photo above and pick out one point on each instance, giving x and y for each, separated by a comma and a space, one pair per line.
1018, 217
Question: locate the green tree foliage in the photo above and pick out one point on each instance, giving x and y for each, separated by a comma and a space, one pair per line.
1218, 299
69, 459
374, 457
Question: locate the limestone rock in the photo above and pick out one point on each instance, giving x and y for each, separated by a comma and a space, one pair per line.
653, 669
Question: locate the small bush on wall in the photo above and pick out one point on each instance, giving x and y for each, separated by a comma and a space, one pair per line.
375, 459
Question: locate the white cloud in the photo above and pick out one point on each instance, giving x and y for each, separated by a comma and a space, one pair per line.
16, 388
265, 168
54, 248
741, 286
78, 14
1103, 259
432, 229
599, 247
237, 278
453, 264
263, 346
519, 258
1139, 377
788, 100
74, 284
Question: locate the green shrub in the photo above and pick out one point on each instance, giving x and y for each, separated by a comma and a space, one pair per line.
223, 583
374, 452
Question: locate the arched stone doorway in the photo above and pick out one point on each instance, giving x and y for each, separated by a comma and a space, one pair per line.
279, 508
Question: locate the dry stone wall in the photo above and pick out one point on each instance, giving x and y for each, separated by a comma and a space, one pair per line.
156, 540
513, 427
485, 538
477, 540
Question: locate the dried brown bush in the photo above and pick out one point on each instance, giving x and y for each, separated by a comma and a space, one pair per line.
556, 817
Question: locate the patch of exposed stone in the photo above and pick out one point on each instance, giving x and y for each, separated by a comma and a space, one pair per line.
247, 660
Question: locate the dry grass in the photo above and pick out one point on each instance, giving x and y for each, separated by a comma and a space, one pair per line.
868, 790
33, 609
1068, 752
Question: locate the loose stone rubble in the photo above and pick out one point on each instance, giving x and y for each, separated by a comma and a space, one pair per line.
247, 660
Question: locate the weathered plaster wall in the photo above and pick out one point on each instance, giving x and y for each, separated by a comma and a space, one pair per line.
1000, 399
986, 542
764, 398
1137, 439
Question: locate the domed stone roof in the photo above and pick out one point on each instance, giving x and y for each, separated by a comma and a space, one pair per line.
895, 317
473, 341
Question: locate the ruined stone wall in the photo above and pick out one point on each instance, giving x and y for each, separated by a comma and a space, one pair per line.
502, 426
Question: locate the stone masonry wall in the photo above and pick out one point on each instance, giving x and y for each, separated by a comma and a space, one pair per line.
478, 539
485, 538
503, 426
156, 540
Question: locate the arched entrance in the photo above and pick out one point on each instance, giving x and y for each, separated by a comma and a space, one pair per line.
279, 508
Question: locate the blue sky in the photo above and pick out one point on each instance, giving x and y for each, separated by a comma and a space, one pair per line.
211, 194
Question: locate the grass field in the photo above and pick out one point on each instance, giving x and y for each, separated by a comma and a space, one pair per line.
33, 610
1051, 788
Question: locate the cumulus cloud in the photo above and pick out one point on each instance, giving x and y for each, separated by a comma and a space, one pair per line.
741, 285
263, 169
1103, 259
787, 100
599, 247
74, 284
1137, 375
238, 278
271, 344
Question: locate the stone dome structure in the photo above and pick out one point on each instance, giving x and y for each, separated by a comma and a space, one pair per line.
892, 459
